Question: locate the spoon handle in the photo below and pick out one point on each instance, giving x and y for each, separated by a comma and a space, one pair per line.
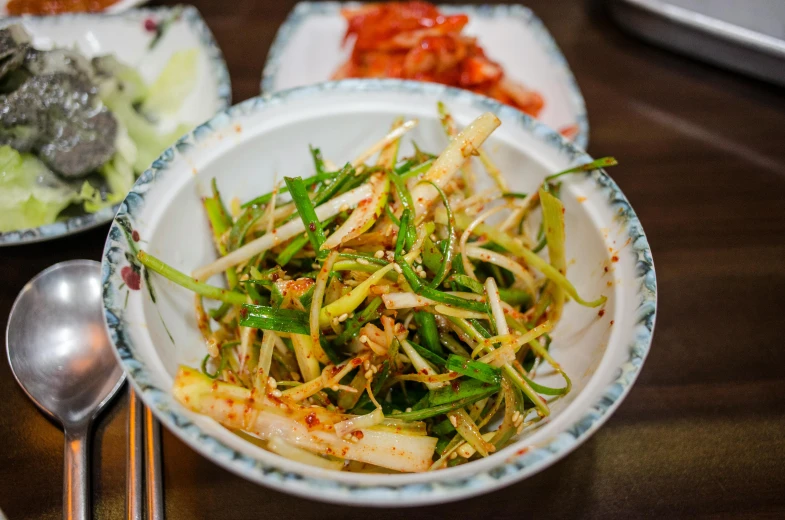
155, 503
76, 487
134, 493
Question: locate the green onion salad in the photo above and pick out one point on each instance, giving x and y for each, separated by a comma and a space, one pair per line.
382, 315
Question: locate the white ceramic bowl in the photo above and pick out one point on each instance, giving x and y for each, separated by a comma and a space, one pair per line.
127, 36
245, 146
308, 49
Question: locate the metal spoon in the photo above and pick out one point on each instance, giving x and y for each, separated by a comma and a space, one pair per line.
61, 357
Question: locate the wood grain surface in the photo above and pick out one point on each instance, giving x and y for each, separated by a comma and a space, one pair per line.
701, 435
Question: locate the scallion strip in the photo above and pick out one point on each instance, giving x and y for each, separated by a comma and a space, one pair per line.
426, 327
474, 369
432, 411
305, 209
603, 162
183, 280
449, 251
275, 319
428, 354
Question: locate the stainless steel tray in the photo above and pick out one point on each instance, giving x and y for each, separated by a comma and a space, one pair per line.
747, 36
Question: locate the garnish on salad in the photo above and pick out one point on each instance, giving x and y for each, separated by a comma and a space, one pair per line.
384, 315
76, 131
413, 40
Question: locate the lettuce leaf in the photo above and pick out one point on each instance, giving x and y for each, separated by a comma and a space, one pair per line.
165, 96
30, 194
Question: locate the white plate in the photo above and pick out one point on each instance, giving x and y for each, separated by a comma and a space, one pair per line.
119, 6
307, 49
125, 36
245, 147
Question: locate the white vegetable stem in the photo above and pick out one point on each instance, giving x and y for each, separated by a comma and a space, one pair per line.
405, 300
285, 232
463, 146
263, 418
391, 137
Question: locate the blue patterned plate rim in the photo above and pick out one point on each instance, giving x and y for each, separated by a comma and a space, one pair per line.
396, 490
193, 18
304, 9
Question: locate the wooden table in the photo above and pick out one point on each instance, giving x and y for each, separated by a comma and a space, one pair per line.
702, 156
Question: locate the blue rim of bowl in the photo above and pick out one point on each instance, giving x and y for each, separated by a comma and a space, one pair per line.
192, 17
394, 492
303, 10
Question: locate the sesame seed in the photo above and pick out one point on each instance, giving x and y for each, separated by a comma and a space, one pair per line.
244, 277
520, 429
345, 207
422, 274
315, 266
453, 421
343, 317
351, 315
294, 375
276, 393
335, 321
363, 339
433, 237
379, 253
374, 368
454, 455
397, 268
368, 374
366, 364
363, 261
334, 388
418, 259
272, 383
409, 409
515, 416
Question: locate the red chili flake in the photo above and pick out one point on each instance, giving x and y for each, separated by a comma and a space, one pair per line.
230, 402
614, 258
131, 278
601, 313
522, 451
311, 420
606, 268
612, 322
358, 435
312, 226
135, 235
243, 312
456, 385
274, 277
424, 371
150, 25
356, 362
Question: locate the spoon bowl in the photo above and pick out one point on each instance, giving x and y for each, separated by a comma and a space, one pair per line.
62, 358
